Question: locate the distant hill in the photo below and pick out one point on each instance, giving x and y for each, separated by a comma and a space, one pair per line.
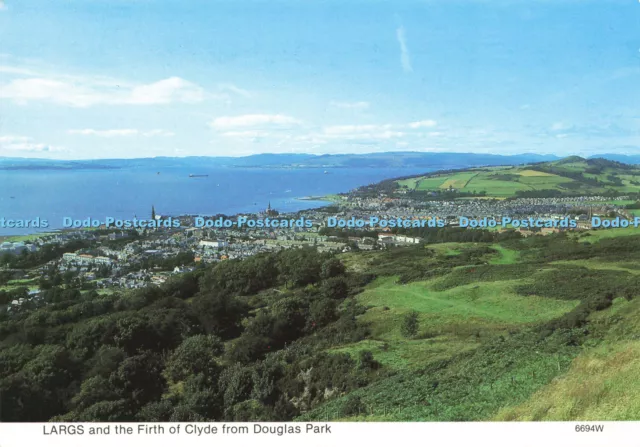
629, 159
567, 176
425, 160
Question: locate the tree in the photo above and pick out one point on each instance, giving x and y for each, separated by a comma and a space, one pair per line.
202, 396
159, 411
335, 288
183, 413
38, 391
330, 268
105, 361
410, 324
352, 406
92, 391
237, 382
195, 355
250, 411
299, 267
219, 314
367, 362
106, 411
321, 313
139, 377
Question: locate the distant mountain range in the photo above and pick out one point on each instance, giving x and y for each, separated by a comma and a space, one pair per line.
442, 160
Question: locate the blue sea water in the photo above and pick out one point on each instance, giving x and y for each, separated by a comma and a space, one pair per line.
125, 193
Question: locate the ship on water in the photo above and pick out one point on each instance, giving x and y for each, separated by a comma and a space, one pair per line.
198, 175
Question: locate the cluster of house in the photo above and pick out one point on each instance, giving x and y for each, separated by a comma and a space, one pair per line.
214, 245
141, 278
395, 239
478, 207
84, 259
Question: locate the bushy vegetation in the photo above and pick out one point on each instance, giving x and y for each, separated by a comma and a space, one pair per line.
197, 348
446, 331
410, 324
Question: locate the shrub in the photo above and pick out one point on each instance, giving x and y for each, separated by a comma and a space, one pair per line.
410, 324
352, 406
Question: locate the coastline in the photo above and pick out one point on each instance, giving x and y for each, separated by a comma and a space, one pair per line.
331, 198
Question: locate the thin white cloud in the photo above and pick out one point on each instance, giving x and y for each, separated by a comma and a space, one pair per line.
18, 144
235, 89
91, 92
355, 129
560, 126
361, 133
17, 70
421, 124
108, 133
246, 134
158, 133
253, 120
359, 105
364, 133
165, 92
280, 132
3, 5
104, 133
13, 139
361, 128
405, 57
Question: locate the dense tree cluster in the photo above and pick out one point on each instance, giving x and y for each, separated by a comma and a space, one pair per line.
235, 342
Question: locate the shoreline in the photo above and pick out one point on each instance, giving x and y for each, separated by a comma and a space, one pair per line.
53, 231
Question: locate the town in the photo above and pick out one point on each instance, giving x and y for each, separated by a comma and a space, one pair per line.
107, 260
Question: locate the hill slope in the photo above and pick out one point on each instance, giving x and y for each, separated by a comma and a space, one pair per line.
568, 176
545, 335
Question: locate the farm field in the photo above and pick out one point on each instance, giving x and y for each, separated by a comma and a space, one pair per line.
564, 176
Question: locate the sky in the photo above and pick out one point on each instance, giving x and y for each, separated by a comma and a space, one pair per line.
88, 79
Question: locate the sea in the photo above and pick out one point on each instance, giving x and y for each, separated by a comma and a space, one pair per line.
131, 192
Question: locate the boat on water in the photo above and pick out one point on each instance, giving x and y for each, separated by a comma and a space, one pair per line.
198, 175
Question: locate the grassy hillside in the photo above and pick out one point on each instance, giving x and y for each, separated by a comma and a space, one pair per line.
567, 176
535, 329
510, 328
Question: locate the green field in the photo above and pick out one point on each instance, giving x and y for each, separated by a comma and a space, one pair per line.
478, 354
489, 181
23, 238
506, 256
602, 383
567, 176
595, 235
451, 320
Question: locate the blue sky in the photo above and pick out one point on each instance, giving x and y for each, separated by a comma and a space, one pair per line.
140, 78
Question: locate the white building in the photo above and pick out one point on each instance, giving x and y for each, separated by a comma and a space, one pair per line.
86, 259
213, 244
